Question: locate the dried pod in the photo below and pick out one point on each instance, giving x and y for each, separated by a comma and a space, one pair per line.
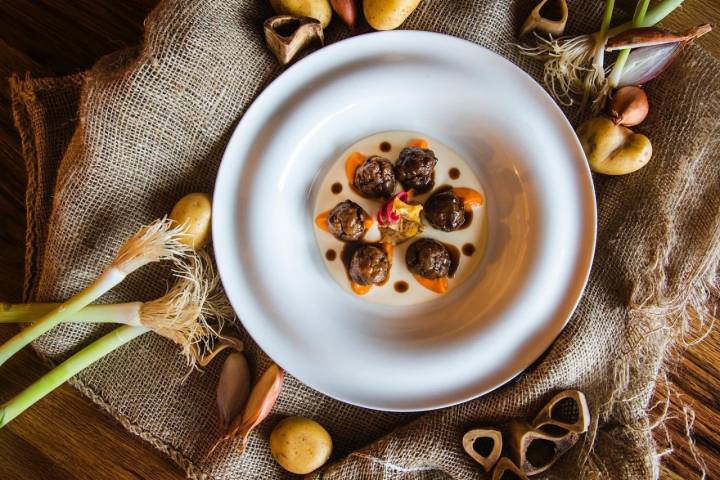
547, 18
505, 469
483, 445
566, 411
233, 388
346, 10
288, 35
534, 451
260, 402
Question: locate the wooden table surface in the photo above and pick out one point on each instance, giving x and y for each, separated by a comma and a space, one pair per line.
65, 436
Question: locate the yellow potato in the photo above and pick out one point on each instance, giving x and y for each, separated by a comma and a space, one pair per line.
318, 9
193, 212
388, 14
613, 149
300, 445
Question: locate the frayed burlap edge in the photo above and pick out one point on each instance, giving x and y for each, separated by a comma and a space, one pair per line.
23, 92
22, 97
663, 321
192, 470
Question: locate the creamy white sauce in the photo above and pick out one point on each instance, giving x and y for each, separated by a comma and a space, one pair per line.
474, 234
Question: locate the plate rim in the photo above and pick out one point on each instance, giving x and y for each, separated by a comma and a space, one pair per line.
580, 275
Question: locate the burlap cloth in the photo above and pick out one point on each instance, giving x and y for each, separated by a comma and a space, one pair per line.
113, 148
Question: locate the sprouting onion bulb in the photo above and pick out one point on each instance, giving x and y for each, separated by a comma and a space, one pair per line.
157, 241
182, 315
165, 239
573, 66
179, 315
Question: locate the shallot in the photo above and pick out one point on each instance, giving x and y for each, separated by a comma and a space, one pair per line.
181, 315
259, 404
629, 106
647, 62
233, 388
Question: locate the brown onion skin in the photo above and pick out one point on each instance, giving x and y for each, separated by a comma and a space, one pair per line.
629, 106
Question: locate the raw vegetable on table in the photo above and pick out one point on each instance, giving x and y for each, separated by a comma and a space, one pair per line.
181, 315
152, 243
574, 66
299, 24
575, 70
300, 445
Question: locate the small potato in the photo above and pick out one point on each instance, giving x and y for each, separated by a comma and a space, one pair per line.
388, 14
193, 212
613, 149
317, 9
300, 445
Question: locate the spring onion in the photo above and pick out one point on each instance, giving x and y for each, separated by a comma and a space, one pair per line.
157, 241
638, 17
573, 66
178, 315
67, 369
182, 315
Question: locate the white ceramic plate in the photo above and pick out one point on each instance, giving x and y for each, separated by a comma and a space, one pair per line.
540, 212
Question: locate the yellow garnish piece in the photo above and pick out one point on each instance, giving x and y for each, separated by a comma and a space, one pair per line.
405, 210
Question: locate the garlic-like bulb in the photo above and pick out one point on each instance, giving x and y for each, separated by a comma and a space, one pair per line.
629, 106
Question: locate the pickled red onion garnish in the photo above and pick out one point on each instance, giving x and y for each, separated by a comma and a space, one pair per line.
386, 214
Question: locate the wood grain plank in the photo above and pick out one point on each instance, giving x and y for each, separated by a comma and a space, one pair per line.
694, 384
69, 432
39, 466
65, 43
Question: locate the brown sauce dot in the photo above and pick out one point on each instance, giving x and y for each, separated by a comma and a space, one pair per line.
454, 173
336, 188
401, 286
331, 255
385, 147
468, 249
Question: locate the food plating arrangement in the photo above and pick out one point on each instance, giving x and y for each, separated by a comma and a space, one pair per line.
400, 219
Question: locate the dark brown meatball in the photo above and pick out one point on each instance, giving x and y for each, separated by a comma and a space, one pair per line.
414, 168
375, 178
347, 221
445, 211
428, 258
369, 265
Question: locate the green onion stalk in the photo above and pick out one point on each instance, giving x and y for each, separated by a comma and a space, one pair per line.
67, 369
640, 12
157, 241
595, 79
181, 315
574, 66
125, 313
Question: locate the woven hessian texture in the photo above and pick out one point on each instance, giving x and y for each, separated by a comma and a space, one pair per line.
114, 148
